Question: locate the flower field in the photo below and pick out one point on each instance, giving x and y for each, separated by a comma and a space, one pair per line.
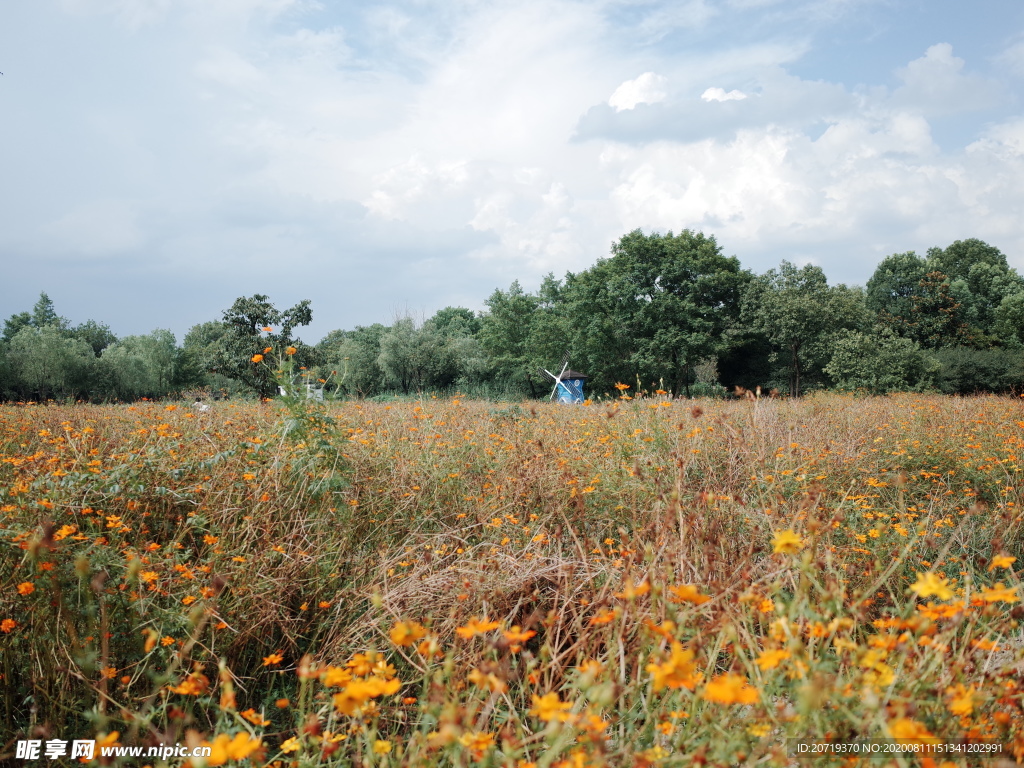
650, 582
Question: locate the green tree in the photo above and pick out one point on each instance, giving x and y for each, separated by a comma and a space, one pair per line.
244, 338
505, 332
797, 311
879, 362
47, 364
96, 335
892, 288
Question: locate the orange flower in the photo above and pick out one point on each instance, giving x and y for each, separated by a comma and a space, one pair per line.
26, 588
475, 627
257, 358
195, 684
631, 592
254, 717
688, 593
291, 351
516, 637
770, 659
961, 699
273, 659
730, 688
621, 387
405, 633
477, 742
7, 625
267, 328
677, 671
1002, 561
906, 730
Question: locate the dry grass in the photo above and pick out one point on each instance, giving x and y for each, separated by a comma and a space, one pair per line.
160, 543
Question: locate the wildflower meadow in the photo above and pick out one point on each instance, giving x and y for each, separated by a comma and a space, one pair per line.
642, 581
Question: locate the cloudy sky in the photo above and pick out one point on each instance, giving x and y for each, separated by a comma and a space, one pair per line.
159, 158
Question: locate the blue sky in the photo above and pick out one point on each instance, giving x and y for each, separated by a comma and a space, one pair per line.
160, 158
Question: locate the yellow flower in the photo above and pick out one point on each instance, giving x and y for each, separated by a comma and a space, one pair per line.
225, 749
357, 692
550, 708
961, 699
999, 593
475, 627
291, 745
730, 688
1002, 561
381, 747
770, 659
405, 633
677, 671
787, 542
928, 585
477, 742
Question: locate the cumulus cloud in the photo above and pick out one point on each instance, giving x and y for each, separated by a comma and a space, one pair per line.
649, 88
936, 84
720, 94
422, 152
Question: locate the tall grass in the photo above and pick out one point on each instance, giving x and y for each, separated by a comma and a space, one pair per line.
457, 582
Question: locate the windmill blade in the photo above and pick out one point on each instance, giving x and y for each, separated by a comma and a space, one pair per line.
558, 379
565, 359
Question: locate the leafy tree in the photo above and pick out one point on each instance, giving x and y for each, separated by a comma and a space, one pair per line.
505, 332
354, 354
966, 371
879, 362
47, 364
891, 291
455, 321
15, 323
44, 314
797, 311
244, 337
96, 335
144, 366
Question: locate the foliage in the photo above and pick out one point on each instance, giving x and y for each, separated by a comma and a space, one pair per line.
244, 337
799, 313
879, 363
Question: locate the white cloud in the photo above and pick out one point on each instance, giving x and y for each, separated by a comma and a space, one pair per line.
720, 94
936, 84
649, 88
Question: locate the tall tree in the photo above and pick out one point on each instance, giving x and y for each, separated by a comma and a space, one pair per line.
798, 313
245, 337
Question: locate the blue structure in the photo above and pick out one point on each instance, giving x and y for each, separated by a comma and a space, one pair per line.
569, 388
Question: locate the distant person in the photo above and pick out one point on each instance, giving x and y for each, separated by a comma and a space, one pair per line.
200, 406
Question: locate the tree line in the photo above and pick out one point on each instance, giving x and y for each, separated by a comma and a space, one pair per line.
663, 311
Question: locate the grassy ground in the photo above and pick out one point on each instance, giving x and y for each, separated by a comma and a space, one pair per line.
645, 582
